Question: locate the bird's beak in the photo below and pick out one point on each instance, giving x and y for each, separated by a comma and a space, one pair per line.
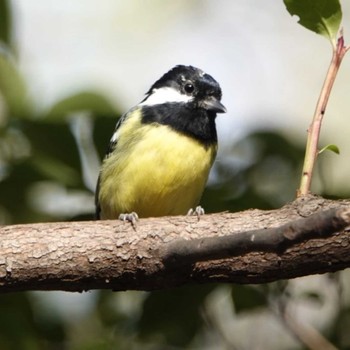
213, 104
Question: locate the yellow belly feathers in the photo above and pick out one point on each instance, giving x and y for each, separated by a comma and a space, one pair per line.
161, 174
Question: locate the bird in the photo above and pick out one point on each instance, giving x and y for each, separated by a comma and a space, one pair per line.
159, 157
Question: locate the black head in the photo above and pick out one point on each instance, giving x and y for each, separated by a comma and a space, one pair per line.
186, 99
187, 84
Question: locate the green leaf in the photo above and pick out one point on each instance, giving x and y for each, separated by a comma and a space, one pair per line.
314, 297
82, 101
56, 170
5, 22
173, 316
321, 16
332, 148
247, 298
13, 88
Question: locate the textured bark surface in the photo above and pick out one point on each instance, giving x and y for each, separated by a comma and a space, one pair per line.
77, 256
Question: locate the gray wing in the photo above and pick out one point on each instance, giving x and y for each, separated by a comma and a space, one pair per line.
111, 147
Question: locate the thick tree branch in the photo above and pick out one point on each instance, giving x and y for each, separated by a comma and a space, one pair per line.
274, 240
79, 256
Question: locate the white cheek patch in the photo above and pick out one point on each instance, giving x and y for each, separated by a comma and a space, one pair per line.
164, 95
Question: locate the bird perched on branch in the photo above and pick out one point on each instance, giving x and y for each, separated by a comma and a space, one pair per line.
162, 149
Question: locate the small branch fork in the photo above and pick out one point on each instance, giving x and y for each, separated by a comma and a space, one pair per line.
274, 240
311, 153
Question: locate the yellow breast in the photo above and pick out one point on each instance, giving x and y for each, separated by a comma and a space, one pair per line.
154, 171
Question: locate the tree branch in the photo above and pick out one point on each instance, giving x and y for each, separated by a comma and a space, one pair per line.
275, 240
172, 251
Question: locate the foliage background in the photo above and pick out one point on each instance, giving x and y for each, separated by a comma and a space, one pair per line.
68, 70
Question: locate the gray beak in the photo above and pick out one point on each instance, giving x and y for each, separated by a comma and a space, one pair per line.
213, 104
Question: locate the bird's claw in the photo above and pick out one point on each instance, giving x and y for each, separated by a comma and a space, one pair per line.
198, 211
131, 217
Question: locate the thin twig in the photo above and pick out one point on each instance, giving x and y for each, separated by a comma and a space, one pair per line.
305, 333
314, 130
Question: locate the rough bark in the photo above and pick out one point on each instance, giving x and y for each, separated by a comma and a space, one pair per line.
77, 256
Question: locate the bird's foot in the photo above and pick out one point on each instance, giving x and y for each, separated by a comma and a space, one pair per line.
198, 211
131, 217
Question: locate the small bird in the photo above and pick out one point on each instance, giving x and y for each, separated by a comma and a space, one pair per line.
161, 152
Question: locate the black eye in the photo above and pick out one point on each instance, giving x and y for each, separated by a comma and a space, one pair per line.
189, 88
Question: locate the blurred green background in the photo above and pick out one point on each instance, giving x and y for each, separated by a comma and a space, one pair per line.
51, 144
